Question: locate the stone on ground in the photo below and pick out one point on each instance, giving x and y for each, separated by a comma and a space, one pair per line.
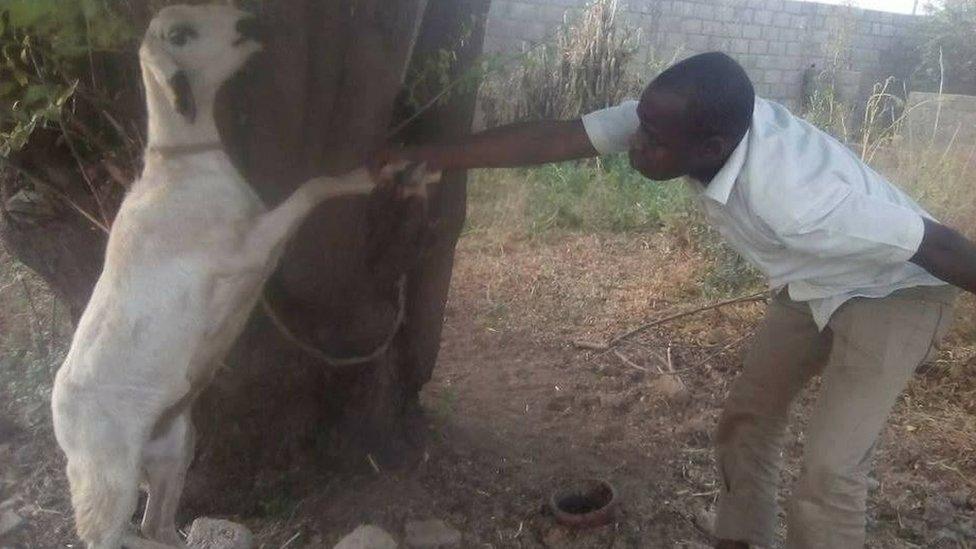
9, 520
367, 536
208, 533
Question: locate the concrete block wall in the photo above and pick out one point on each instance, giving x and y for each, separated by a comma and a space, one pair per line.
775, 40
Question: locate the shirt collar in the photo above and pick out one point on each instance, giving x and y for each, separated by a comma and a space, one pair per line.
721, 185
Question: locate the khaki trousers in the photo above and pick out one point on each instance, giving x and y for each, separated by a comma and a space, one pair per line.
866, 355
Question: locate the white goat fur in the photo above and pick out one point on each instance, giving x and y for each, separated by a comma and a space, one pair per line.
187, 257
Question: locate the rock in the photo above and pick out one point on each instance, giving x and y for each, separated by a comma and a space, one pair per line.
705, 519
208, 533
431, 534
670, 387
559, 403
367, 536
9, 521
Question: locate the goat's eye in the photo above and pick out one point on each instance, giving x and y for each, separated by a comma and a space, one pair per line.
181, 34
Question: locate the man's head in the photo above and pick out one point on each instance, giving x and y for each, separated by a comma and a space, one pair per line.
692, 117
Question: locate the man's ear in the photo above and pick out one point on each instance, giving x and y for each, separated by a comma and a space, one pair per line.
714, 148
168, 76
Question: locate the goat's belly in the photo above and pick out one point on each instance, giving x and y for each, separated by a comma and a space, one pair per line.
140, 329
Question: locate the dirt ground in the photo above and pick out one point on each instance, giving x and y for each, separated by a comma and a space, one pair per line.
516, 408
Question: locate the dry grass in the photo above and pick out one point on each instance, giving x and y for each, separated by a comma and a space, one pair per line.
589, 62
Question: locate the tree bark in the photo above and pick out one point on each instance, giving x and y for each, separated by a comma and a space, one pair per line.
318, 100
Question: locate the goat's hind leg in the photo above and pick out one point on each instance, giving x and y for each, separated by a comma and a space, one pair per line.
165, 461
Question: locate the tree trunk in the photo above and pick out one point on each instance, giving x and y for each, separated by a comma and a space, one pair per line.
318, 99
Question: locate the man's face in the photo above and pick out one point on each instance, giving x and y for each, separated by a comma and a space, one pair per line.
662, 149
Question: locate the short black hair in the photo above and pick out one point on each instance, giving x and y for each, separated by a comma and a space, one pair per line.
719, 93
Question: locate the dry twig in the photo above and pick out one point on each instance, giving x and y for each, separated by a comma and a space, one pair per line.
759, 296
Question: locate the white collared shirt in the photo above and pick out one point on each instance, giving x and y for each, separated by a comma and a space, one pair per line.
801, 207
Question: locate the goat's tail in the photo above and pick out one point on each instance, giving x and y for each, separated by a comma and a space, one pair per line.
104, 496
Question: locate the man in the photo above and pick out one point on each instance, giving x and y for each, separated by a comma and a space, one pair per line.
861, 269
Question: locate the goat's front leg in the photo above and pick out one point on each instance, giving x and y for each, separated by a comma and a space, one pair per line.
273, 228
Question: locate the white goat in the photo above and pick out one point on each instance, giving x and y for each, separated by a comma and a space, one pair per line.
187, 257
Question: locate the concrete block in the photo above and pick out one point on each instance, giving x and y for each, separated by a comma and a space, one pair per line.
674, 40
765, 62
772, 76
666, 22
697, 43
719, 43
731, 30
781, 19
783, 62
552, 14
748, 62
684, 9
798, 22
739, 45
744, 15
752, 32
763, 17
642, 6
774, 5
706, 12
712, 28
758, 46
523, 11
795, 49
506, 28
724, 13
791, 6
776, 48
691, 26
535, 30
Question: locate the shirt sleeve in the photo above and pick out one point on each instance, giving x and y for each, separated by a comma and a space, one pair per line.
851, 224
610, 129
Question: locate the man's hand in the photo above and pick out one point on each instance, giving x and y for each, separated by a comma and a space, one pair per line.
948, 256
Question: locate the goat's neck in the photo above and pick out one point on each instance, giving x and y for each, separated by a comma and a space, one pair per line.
167, 128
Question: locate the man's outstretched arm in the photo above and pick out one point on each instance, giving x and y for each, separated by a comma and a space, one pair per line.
521, 144
948, 256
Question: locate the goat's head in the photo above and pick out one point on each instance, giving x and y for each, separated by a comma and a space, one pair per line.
192, 50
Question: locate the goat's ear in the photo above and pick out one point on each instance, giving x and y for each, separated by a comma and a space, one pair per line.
168, 76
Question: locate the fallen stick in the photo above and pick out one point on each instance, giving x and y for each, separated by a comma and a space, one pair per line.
628, 362
589, 345
759, 296
715, 354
